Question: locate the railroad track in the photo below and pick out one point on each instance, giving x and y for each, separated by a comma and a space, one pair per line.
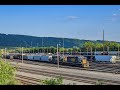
108, 68
69, 77
25, 80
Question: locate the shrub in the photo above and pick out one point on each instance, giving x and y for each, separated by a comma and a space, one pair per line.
7, 74
53, 81
99, 82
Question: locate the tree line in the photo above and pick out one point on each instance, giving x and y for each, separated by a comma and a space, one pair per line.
86, 47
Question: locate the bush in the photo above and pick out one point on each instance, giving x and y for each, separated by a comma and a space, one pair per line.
7, 74
53, 81
99, 82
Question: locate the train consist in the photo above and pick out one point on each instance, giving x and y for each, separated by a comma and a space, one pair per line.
66, 59
92, 53
109, 57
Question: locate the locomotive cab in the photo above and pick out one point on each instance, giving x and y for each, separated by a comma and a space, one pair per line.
84, 63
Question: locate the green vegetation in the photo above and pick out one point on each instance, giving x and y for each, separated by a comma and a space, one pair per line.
113, 46
7, 74
34, 44
53, 81
99, 82
0, 54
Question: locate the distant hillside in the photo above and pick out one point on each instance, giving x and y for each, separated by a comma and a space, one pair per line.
13, 40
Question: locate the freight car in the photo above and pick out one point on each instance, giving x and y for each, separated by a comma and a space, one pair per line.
29, 57
19, 56
46, 58
8, 56
53, 59
36, 57
80, 60
105, 58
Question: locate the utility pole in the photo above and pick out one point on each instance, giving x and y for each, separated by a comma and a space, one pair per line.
95, 50
42, 44
63, 47
47, 45
91, 51
108, 49
22, 54
37, 47
118, 50
80, 51
103, 42
57, 56
20, 48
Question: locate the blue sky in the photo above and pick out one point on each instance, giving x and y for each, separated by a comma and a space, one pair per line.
70, 21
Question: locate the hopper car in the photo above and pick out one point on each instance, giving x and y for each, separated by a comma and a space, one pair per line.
67, 59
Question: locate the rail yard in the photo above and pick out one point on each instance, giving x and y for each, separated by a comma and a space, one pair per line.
75, 69
89, 77
60, 45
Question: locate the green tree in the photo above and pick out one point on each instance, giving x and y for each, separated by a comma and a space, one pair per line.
106, 44
113, 46
88, 45
53, 81
7, 74
99, 82
61, 49
70, 50
75, 49
0, 54
99, 46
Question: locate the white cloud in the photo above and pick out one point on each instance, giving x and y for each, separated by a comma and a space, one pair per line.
114, 14
73, 17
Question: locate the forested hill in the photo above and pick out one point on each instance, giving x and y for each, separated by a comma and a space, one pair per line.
13, 40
